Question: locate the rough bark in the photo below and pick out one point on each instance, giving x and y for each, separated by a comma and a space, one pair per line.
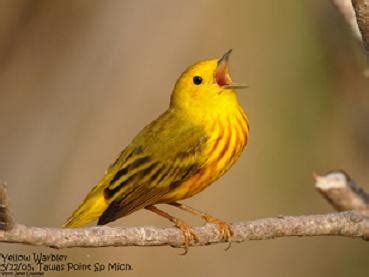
351, 224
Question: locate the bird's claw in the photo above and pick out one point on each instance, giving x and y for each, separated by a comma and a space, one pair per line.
225, 230
188, 234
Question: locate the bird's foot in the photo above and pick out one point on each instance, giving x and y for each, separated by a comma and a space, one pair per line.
225, 230
188, 234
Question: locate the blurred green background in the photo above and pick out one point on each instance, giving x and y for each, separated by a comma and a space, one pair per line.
78, 79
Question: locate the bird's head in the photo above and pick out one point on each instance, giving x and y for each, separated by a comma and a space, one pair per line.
205, 86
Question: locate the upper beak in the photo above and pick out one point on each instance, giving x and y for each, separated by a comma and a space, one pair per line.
221, 74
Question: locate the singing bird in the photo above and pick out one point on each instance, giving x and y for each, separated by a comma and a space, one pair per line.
193, 143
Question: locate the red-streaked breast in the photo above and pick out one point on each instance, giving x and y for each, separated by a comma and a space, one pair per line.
228, 138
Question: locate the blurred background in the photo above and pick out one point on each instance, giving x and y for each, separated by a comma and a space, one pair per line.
79, 79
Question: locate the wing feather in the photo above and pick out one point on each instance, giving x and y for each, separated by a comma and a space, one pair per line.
161, 164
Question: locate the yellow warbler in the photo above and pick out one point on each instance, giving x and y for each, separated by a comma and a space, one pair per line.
176, 156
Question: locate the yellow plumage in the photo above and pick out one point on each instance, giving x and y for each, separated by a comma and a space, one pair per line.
179, 154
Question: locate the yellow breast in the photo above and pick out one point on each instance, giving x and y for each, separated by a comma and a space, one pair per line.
228, 137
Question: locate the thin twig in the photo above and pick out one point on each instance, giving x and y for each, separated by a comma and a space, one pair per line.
341, 191
346, 9
362, 16
356, 14
6, 220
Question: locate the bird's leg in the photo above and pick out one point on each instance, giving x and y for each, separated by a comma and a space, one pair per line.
223, 227
188, 233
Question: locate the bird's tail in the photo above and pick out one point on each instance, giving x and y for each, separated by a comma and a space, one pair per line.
90, 209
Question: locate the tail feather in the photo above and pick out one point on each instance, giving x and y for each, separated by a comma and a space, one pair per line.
90, 209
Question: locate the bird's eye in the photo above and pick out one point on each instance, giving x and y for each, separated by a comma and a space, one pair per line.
197, 80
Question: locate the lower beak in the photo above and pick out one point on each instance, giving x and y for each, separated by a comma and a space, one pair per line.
221, 74
236, 86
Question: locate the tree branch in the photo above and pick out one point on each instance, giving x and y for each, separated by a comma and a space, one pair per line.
345, 224
338, 188
6, 220
362, 16
351, 224
346, 9
356, 14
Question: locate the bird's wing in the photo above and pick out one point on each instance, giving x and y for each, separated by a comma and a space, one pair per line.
155, 163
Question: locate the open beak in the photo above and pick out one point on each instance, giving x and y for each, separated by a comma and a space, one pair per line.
221, 74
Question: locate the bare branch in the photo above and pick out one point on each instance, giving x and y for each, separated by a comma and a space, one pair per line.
362, 16
342, 192
346, 224
6, 221
351, 224
346, 9
356, 14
